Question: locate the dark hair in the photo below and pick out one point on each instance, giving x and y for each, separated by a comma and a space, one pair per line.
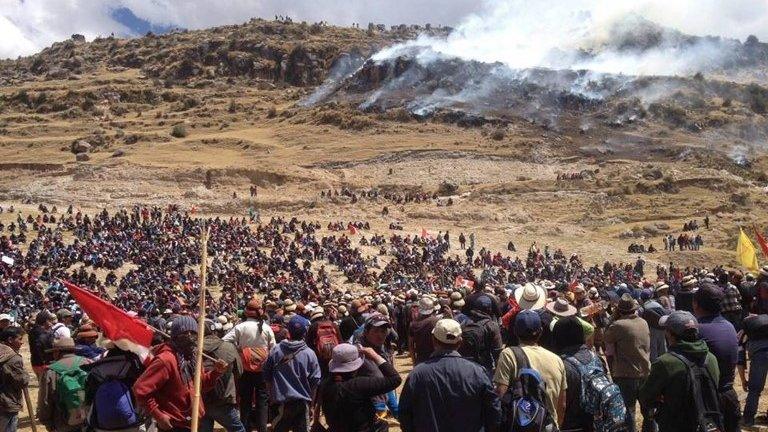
709, 297
690, 335
10, 332
43, 317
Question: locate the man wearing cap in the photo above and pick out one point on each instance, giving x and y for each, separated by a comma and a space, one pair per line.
221, 402
61, 329
85, 342
5, 321
667, 387
39, 339
292, 373
684, 296
483, 335
50, 412
420, 331
165, 388
630, 339
353, 321
722, 341
254, 332
528, 328
448, 392
13, 377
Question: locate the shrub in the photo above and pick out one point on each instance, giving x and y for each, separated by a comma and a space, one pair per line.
757, 97
179, 131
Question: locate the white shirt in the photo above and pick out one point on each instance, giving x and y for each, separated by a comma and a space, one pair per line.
248, 334
60, 330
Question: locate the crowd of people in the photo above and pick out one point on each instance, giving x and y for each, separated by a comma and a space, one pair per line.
496, 340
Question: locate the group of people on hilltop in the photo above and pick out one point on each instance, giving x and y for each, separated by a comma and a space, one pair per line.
292, 349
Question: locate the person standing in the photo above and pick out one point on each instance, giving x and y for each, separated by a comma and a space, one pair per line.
420, 331
447, 392
39, 338
164, 389
292, 372
62, 328
528, 328
13, 378
756, 331
722, 341
253, 338
60, 408
668, 388
221, 402
631, 340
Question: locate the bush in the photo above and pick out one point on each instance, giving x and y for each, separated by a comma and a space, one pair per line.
498, 134
179, 131
272, 112
757, 97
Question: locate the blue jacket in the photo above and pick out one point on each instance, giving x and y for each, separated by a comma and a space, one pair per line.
448, 393
292, 371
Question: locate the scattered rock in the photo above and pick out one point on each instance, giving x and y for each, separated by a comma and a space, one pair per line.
653, 173
118, 153
447, 187
78, 38
82, 157
741, 199
81, 146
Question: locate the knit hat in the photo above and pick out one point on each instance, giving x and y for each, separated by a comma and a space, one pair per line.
87, 331
253, 308
182, 324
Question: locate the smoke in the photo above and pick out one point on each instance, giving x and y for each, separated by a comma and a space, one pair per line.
598, 35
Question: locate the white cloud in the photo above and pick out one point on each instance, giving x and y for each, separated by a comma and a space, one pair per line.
27, 26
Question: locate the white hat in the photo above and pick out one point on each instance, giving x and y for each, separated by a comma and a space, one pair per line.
426, 306
531, 296
4, 317
447, 331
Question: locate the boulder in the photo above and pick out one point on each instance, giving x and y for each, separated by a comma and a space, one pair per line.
81, 146
118, 153
82, 157
78, 38
447, 187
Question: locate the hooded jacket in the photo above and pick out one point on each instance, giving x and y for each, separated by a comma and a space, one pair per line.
13, 379
162, 391
667, 385
293, 372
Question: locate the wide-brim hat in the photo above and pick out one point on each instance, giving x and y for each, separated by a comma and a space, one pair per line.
62, 344
345, 358
689, 282
561, 307
531, 296
661, 286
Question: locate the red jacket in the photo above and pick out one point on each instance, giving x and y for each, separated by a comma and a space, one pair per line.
161, 390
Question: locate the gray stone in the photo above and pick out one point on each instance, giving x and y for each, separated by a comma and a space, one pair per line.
82, 157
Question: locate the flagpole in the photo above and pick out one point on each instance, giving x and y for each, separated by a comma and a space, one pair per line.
30, 410
200, 329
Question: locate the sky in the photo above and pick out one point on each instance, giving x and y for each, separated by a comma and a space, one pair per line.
27, 26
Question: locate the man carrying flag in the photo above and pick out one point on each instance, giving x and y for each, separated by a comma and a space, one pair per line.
761, 241
745, 252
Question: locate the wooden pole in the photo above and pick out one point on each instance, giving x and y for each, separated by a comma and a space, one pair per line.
200, 330
30, 410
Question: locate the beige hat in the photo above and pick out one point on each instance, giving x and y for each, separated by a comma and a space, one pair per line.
447, 331
289, 305
62, 344
530, 296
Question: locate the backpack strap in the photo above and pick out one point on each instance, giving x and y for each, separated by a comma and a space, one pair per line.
291, 356
521, 360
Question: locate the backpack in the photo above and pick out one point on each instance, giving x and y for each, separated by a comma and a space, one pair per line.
327, 339
599, 396
108, 387
254, 357
706, 403
475, 346
524, 405
70, 386
113, 407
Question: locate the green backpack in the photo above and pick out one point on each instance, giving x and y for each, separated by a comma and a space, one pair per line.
70, 386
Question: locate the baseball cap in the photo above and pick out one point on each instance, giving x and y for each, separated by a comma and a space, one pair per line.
297, 327
528, 323
377, 320
447, 331
679, 322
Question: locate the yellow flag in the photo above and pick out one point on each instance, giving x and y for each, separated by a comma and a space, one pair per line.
745, 252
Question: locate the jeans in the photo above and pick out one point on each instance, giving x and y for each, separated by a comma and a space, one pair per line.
9, 422
758, 369
253, 388
225, 415
292, 416
630, 389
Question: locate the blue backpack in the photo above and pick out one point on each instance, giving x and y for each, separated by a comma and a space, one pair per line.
524, 405
599, 396
113, 407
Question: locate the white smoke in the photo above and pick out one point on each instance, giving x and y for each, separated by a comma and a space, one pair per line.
582, 34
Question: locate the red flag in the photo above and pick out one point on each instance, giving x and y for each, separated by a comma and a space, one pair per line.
113, 321
761, 241
461, 282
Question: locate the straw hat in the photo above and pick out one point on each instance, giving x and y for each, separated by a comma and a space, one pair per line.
530, 296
